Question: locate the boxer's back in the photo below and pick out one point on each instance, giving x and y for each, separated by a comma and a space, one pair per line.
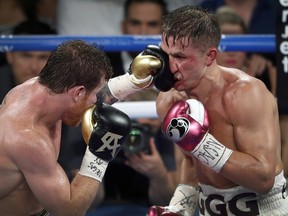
16, 197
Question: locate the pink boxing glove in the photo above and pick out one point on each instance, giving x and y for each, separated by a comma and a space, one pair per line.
183, 203
160, 211
186, 124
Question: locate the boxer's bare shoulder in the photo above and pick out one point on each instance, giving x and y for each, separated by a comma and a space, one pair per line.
240, 91
242, 113
22, 140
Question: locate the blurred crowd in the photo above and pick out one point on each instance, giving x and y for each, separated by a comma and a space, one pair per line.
136, 180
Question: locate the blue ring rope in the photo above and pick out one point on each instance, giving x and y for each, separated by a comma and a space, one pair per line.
247, 43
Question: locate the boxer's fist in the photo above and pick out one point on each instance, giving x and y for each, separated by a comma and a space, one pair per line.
186, 123
160, 211
151, 65
163, 79
104, 129
143, 68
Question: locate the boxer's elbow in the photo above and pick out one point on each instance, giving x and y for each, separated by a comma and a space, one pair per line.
265, 183
265, 188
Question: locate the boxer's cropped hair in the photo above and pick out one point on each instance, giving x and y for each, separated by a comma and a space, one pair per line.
75, 63
162, 3
200, 27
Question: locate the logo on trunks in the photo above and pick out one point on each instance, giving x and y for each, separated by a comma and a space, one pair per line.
284, 191
244, 204
177, 128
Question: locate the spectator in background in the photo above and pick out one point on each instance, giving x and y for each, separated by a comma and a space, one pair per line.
86, 17
92, 14
47, 11
259, 15
231, 23
141, 17
260, 18
13, 12
23, 65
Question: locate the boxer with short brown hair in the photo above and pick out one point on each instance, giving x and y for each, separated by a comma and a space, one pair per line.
229, 126
31, 116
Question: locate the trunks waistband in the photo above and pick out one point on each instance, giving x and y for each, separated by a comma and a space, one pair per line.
241, 201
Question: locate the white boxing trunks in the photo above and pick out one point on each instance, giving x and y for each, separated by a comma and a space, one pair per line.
239, 201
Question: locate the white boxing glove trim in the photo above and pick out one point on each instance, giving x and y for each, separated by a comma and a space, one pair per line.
125, 85
184, 200
197, 110
212, 153
121, 86
135, 80
93, 166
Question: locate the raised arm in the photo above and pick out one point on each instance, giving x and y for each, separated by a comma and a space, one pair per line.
150, 67
48, 181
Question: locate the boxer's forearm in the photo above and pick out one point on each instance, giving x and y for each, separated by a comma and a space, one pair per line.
121, 87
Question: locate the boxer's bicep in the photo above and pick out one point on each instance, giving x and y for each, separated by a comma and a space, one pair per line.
250, 114
48, 182
51, 188
254, 128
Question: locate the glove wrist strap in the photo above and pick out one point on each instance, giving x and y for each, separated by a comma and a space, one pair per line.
92, 166
212, 153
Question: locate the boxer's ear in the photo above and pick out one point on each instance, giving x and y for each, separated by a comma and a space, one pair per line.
77, 93
211, 56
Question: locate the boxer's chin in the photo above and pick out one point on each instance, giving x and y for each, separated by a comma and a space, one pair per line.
178, 86
74, 116
72, 122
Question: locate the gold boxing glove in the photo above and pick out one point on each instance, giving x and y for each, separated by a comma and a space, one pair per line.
104, 129
140, 75
143, 68
88, 123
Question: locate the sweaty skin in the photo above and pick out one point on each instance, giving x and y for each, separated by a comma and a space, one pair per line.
30, 177
242, 114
